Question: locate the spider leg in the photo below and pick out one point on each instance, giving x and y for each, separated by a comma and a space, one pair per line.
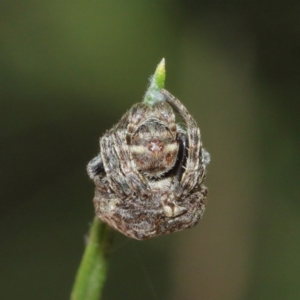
133, 178
112, 166
119, 168
95, 167
181, 157
194, 170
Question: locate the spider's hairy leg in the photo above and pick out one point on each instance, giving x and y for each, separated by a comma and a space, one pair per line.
133, 178
179, 167
95, 167
112, 167
194, 170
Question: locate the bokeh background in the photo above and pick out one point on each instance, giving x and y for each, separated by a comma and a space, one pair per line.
70, 69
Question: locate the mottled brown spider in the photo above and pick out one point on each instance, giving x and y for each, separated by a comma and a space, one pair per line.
149, 173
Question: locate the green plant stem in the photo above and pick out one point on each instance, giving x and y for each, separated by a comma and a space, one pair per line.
91, 274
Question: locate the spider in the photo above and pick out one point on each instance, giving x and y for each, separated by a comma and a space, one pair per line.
149, 173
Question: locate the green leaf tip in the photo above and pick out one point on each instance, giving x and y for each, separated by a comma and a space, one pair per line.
157, 83
160, 74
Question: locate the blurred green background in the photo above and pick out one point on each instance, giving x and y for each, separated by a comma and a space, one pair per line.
70, 69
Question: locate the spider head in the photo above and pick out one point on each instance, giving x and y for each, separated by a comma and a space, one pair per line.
154, 150
153, 145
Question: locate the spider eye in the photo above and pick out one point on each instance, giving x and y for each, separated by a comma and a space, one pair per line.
155, 146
